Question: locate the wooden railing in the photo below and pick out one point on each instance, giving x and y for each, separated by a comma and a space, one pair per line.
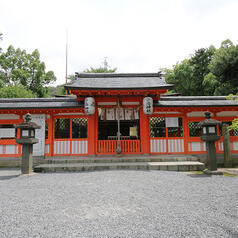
9, 148
70, 146
110, 146
173, 145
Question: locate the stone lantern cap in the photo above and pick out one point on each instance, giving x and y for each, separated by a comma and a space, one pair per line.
209, 121
28, 124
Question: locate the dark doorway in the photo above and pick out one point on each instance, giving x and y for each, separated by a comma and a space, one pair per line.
107, 130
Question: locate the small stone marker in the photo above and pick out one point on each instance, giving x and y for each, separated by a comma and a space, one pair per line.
226, 146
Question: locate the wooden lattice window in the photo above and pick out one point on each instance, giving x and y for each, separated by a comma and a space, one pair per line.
79, 128
62, 128
157, 127
194, 129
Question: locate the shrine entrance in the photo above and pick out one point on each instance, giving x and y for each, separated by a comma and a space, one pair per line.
129, 128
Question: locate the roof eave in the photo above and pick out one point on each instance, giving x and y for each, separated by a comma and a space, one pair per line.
107, 89
195, 105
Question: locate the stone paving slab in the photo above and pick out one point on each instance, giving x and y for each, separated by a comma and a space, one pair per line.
109, 160
171, 166
132, 163
233, 171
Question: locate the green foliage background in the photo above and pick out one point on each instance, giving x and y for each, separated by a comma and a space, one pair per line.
15, 91
209, 71
105, 68
18, 68
23, 74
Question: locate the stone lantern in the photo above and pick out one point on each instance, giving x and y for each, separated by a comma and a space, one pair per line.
27, 139
210, 137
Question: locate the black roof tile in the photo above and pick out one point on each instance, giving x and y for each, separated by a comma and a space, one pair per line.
39, 103
118, 81
196, 103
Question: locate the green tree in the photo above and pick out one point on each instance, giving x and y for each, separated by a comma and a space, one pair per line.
56, 91
200, 62
180, 76
234, 125
210, 84
15, 91
0, 40
188, 76
70, 78
105, 68
224, 66
17, 67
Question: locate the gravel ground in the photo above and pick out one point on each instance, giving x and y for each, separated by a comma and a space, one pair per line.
118, 204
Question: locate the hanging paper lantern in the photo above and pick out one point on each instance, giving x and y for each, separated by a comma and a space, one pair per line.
148, 105
89, 106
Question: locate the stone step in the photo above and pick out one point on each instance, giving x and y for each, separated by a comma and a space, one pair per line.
79, 167
115, 160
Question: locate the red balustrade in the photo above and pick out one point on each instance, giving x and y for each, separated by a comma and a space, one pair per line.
110, 146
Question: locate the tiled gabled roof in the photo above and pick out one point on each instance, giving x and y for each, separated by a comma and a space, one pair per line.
118, 81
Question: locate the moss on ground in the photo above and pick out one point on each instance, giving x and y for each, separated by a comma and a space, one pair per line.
229, 174
224, 173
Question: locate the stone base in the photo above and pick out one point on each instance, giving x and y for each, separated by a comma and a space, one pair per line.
215, 172
110, 165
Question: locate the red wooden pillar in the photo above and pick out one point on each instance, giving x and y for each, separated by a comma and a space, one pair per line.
186, 132
51, 134
18, 136
92, 134
144, 132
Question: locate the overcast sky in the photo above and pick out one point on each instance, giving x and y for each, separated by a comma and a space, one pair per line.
134, 35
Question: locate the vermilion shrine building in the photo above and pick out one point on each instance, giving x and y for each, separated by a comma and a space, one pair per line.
115, 103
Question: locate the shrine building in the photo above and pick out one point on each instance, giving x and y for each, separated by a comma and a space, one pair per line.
115, 113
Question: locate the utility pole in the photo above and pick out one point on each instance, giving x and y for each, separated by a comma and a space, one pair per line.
66, 61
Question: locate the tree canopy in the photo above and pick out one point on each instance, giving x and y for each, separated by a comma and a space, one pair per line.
56, 90
209, 71
105, 68
181, 73
0, 40
224, 66
15, 91
188, 76
18, 68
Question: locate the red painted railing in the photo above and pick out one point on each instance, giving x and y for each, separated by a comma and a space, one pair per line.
9, 148
110, 146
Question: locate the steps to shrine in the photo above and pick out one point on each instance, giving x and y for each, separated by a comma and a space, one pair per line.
116, 158
119, 163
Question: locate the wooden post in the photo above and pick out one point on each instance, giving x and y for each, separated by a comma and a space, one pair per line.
92, 136
51, 135
185, 133
144, 133
226, 146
